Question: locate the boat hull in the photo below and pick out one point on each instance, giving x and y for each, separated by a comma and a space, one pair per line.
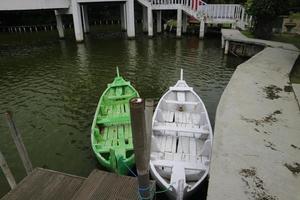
111, 136
181, 142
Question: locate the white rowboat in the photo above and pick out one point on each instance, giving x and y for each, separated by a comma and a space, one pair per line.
181, 141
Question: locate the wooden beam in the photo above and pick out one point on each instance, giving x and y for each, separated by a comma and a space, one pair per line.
7, 173
18, 142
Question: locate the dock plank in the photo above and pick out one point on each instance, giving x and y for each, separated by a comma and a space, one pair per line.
43, 184
104, 185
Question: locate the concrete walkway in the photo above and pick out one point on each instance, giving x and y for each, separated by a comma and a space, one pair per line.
237, 36
256, 149
296, 88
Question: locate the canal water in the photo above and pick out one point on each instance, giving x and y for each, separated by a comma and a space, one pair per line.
53, 86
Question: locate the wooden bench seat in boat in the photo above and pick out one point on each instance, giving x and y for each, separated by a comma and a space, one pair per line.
181, 89
182, 102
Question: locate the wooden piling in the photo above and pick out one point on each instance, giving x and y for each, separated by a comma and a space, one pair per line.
18, 142
7, 173
149, 107
138, 126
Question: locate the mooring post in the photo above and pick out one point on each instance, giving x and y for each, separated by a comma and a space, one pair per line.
7, 173
149, 105
140, 139
18, 142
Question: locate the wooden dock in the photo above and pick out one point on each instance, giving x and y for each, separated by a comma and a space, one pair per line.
44, 184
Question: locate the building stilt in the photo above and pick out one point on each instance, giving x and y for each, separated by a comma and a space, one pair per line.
59, 25
202, 29
123, 16
184, 23
130, 18
179, 23
145, 19
76, 11
158, 28
86, 26
150, 22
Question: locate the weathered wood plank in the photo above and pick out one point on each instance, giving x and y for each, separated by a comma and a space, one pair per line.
19, 143
102, 185
8, 175
45, 184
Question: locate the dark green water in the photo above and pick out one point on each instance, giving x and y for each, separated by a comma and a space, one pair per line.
53, 86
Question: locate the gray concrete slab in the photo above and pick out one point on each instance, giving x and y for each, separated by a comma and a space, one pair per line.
256, 148
237, 36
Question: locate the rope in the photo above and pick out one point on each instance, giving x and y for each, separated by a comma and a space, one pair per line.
150, 189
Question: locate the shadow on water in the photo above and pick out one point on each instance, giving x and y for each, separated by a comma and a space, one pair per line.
53, 86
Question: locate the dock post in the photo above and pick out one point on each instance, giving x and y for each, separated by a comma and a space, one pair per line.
85, 18
179, 23
226, 47
140, 143
150, 21
149, 107
130, 18
7, 173
145, 19
202, 29
123, 16
158, 19
18, 142
59, 25
184, 23
76, 12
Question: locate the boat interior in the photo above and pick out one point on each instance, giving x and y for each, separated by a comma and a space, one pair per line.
181, 141
113, 129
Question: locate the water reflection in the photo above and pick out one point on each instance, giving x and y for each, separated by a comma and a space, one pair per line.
53, 87
132, 57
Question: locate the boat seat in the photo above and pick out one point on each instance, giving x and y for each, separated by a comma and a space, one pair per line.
114, 119
181, 102
115, 97
181, 89
177, 129
185, 165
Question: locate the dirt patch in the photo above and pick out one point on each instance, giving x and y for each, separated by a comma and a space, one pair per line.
272, 91
295, 147
288, 88
270, 145
294, 168
255, 185
269, 119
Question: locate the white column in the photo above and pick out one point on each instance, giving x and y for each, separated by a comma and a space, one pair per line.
150, 22
59, 25
86, 26
226, 47
184, 22
123, 16
130, 18
145, 19
223, 42
202, 29
179, 23
76, 11
158, 28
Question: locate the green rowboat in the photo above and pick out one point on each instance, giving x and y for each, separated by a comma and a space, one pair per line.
111, 135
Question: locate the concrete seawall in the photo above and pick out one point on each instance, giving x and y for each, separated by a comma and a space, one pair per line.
256, 149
